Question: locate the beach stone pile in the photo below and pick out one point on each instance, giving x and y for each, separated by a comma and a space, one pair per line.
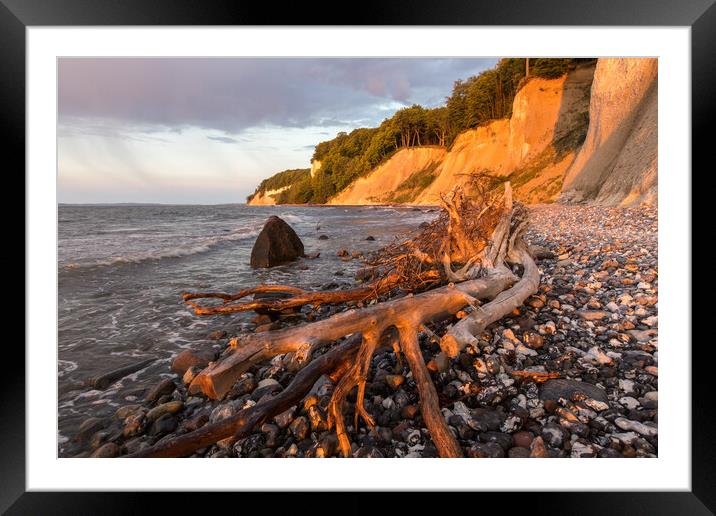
593, 322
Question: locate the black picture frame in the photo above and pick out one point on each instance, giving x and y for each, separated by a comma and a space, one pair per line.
17, 15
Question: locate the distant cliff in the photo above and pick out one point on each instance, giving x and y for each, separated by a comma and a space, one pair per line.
269, 189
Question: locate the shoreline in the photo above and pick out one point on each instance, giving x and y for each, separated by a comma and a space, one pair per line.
493, 413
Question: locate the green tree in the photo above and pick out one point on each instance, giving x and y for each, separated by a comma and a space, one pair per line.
473, 102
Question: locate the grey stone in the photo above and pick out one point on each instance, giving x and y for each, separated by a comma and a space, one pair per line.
562, 388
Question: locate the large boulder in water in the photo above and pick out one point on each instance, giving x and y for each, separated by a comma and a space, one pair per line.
276, 244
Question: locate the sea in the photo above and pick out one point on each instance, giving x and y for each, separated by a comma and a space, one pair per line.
122, 270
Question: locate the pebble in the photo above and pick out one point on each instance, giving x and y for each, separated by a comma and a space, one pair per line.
627, 438
503, 439
635, 426
225, 410
518, 452
490, 450
269, 382
394, 381
388, 404
166, 386
538, 449
522, 438
126, 410
165, 424
439, 364
88, 427
612, 307
554, 435
190, 374
597, 356
609, 453
318, 418
244, 385
299, 428
629, 402
524, 350
565, 388
592, 315
106, 451
135, 424
409, 411
533, 340
285, 417
190, 357
171, 407
326, 447
368, 452
582, 450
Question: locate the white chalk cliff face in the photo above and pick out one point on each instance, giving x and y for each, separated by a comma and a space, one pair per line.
267, 198
617, 164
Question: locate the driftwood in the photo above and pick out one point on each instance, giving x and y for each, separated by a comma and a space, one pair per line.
466, 330
106, 379
332, 363
434, 305
535, 376
460, 258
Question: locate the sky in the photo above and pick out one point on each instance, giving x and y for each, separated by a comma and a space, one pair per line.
208, 130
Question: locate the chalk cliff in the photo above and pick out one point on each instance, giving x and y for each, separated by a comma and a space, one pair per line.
533, 148
268, 197
617, 163
588, 136
396, 180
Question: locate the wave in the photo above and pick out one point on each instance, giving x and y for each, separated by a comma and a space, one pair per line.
65, 366
291, 218
124, 230
159, 254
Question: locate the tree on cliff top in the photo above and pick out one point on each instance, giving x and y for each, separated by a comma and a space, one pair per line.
474, 102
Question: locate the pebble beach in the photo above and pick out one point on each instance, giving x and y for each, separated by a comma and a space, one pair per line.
571, 373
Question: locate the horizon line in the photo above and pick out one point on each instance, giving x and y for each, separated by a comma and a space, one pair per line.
145, 203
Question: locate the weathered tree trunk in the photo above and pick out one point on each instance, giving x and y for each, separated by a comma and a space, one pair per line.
481, 237
431, 306
467, 330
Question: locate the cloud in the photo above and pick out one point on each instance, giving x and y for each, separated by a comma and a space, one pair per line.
223, 139
234, 94
136, 129
80, 127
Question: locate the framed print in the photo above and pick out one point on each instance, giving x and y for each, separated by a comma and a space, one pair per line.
440, 235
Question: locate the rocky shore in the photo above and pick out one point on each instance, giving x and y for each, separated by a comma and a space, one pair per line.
572, 373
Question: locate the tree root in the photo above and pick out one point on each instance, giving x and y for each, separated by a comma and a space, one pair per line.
481, 238
433, 305
300, 297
